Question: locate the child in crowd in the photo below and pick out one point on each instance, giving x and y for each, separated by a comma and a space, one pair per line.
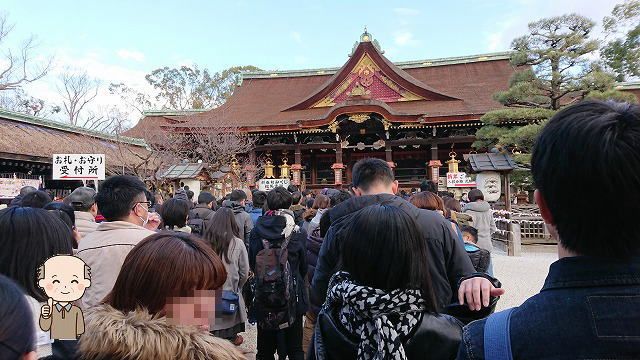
480, 258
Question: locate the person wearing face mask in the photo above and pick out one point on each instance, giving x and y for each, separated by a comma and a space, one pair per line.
123, 203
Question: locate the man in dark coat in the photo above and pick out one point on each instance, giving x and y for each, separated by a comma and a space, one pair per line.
452, 274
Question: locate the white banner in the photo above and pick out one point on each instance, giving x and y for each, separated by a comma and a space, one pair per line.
270, 184
10, 187
78, 166
459, 179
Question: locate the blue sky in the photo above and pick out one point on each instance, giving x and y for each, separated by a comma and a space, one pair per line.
123, 40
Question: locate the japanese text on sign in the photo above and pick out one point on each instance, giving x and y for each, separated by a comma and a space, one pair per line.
459, 179
78, 166
270, 184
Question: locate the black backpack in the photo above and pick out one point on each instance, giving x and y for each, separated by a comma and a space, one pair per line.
275, 287
196, 224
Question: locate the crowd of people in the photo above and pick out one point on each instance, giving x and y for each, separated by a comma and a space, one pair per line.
358, 273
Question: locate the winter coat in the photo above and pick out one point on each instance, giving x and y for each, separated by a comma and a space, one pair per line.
298, 210
243, 219
480, 258
448, 261
85, 223
255, 213
237, 275
271, 228
483, 221
112, 334
314, 242
104, 251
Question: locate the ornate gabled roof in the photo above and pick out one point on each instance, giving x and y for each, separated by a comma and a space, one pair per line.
369, 74
425, 91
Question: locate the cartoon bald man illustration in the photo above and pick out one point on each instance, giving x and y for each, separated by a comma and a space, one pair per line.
64, 279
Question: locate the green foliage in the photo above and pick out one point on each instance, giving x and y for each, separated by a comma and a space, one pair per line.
524, 115
622, 53
522, 178
615, 95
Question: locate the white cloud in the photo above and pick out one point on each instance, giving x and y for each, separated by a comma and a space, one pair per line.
130, 55
404, 38
406, 11
296, 36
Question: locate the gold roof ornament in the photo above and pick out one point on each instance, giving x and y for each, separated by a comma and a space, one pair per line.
359, 118
365, 37
235, 165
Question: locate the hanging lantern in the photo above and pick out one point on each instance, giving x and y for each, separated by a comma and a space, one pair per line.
235, 165
284, 169
453, 163
268, 167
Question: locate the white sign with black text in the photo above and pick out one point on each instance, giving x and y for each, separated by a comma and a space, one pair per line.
459, 179
78, 166
270, 184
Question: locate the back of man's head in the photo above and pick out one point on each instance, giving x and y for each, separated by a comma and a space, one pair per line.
592, 148
475, 195
117, 196
259, 198
205, 198
81, 199
27, 189
190, 195
296, 197
428, 185
292, 188
371, 172
36, 199
238, 195
279, 198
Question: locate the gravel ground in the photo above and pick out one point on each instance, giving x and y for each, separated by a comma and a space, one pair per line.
521, 277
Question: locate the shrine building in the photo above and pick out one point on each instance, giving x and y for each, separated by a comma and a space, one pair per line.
313, 125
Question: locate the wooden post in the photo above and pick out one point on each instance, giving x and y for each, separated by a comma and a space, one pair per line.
507, 192
514, 240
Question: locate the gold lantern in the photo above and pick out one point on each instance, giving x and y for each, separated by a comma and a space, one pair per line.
453, 163
284, 169
268, 168
235, 165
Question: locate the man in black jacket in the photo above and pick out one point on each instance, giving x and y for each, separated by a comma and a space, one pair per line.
451, 270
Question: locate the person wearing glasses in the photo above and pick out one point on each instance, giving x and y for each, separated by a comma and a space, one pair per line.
123, 203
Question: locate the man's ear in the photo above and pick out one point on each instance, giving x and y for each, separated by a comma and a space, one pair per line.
544, 209
42, 283
395, 186
356, 191
85, 282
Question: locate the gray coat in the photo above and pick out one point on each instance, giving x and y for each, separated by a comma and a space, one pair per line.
483, 220
243, 219
237, 274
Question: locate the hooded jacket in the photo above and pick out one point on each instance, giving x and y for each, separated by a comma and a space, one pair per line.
85, 223
111, 334
104, 251
483, 221
271, 228
448, 261
242, 218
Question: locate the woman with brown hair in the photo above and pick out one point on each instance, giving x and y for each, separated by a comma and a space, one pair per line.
223, 235
320, 205
161, 304
430, 201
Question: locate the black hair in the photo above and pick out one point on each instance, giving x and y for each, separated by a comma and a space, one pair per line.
16, 328
369, 171
292, 188
382, 248
117, 196
259, 198
190, 194
592, 147
309, 203
150, 198
475, 195
339, 197
36, 199
28, 237
279, 198
296, 197
63, 211
237, 195
221, 230
429, 185
26, 190
174, 213
206, 197
307, 192
471, 231
325, 223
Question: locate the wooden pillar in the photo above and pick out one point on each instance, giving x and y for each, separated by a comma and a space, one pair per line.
338, 166
388, 153
296, 168
314, 169
434, 164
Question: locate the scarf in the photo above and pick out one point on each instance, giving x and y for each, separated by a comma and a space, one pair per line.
380, 319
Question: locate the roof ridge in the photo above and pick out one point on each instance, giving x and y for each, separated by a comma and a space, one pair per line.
401, 64
161, 112
52, 124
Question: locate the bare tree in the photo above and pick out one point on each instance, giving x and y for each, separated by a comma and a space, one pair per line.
20, 67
